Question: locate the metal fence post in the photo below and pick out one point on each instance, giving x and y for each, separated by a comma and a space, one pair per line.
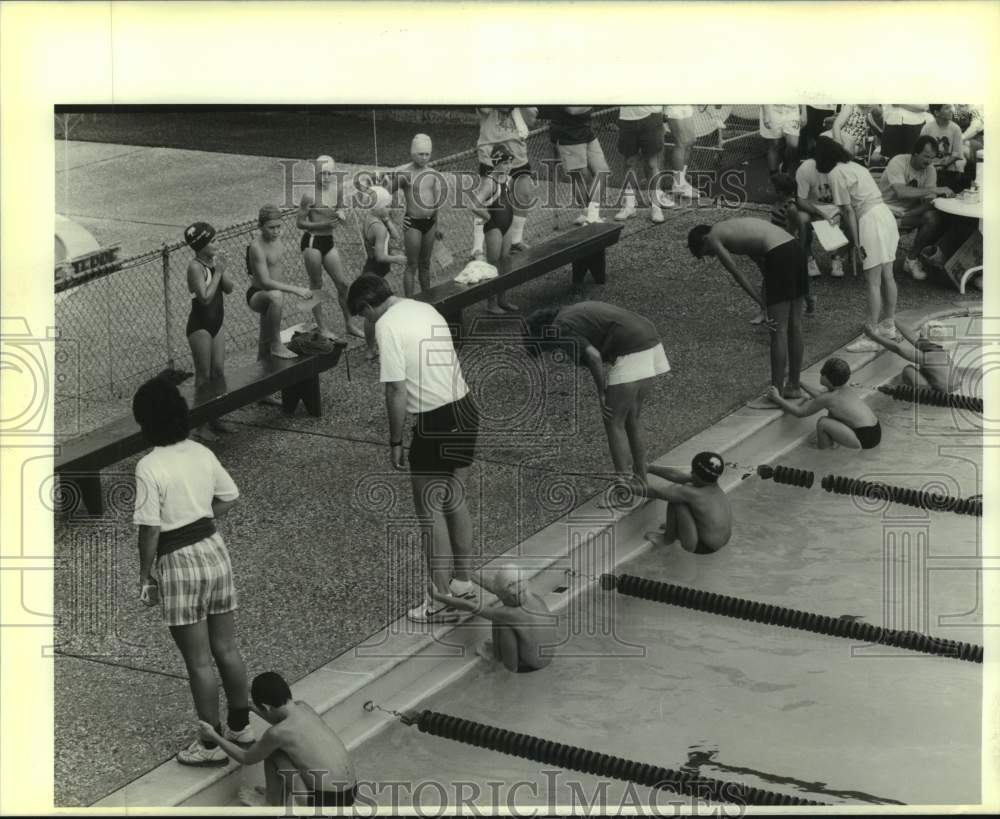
168, 332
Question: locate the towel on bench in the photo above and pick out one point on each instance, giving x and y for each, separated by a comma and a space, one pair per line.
476, 271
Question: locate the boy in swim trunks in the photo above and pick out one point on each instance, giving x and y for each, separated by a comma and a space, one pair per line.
934, 367
299, 742
698, 511
424, 191
266, 293
850, 422
779, 256
524, 631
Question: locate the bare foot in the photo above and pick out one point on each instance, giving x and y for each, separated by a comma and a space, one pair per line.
371, 355
656, 538
495, 309
281, 351
509, 306
485, 650
203, 433
791, 392
252, 797
270, 402
520, 246
329, 335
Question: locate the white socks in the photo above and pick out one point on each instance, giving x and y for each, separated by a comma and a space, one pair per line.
517, 229
478, 237
630, 201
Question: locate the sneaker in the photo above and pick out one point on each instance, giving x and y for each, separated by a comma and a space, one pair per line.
664, 200
581, 219
656, 215
431, 612
684, 189
915, 269
837, 269
810, 305
625, 213
245, 737
863, 345
463, 590
814, 268
197, 755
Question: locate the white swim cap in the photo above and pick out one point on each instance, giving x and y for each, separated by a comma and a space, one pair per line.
383, 199
325, 163
421, 144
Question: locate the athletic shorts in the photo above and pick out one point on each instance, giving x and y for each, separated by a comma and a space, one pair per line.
196, 581
583, 155
520, 170
784, 123
678, 111
333, 799
637, 366
786, 277
878, 236
444, 439
643, 136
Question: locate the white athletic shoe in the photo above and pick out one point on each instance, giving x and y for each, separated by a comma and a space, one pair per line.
915, 269
656, 214
431, 612
465, 590
664, 200
581, 219
198, 756
624, 213
814, 268
684, 189
245, 737
837, 269
863, 345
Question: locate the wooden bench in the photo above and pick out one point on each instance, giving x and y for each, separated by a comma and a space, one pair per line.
582, 247
80, 460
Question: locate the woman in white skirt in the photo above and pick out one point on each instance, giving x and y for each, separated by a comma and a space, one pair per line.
623, 352
871, 229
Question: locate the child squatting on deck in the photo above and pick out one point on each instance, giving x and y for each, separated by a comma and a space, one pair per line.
850, 422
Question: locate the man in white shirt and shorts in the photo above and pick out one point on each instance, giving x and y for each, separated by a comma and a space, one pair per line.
680, 122
640, 136
782, 122
422, 377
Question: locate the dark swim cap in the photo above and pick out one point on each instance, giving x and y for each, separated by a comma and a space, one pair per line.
707, 466
198, 235
837, 371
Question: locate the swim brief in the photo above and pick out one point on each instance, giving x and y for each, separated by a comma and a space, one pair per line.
422, 223
520, 170
322, 243
378, 268
333, 799
869, 437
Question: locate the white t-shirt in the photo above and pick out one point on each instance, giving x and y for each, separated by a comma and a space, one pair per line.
633, 112
853, 185
415, 346
899, 171
175, 485
897, 115
949, 139
812, 184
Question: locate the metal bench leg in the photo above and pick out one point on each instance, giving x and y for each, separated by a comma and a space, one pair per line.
595, 265
306, 391
88, 486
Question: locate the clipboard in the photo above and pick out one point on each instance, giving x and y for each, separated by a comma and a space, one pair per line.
832, 238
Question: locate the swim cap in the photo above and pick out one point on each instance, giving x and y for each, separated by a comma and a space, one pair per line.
198, 235
500, 153
325, 163
268, 213
837, 371
421, 144
707, 466
383, 199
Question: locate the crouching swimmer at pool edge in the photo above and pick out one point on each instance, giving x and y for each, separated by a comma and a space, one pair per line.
524, 631
698, 511
298, 743
850, 422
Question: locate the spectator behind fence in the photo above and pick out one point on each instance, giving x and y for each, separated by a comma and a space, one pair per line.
871, 229
777, 123
207, 280
909, 187
640, 134
850, 127
680, 121
970, 119
950, 159
581, 155
901, 129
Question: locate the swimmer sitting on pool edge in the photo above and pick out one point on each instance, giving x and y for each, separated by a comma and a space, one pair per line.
698, 511
522, 623
850, 422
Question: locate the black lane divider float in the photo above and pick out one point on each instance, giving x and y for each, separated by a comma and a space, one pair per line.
573, 758
875, 490
936, 398
772, 615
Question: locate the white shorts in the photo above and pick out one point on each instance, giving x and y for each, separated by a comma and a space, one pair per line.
879, 237
637, 366
678, 111
783, 123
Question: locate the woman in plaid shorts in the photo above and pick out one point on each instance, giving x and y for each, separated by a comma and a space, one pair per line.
181, 488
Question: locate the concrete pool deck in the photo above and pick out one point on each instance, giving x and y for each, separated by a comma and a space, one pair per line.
780, 575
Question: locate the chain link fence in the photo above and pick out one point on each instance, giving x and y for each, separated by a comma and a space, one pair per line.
129, 324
